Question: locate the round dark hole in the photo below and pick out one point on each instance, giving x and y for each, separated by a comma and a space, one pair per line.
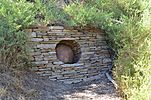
68, 51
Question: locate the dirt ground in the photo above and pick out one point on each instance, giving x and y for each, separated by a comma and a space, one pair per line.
21, 85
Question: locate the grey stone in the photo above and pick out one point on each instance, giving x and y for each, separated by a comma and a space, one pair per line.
72, 65
45, 74
52, 53
33, 34
54, 76
36, 39
58, 63
45, 54
92, 78
87, 53
68, 38
107, 60
46, 46
41, 62
72, 81
46, 39
48, 58
69, 72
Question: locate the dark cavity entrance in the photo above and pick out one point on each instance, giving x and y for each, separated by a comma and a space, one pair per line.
68, 51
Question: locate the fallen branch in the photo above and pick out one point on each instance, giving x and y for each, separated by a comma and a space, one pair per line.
111, 80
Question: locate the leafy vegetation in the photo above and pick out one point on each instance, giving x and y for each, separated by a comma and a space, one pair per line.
13, 17
127, 24
16, 15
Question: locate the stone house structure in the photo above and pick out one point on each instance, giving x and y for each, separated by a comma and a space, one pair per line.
68, 55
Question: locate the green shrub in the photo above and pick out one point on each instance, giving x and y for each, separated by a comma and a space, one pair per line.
49, 10
87, 15
128, 25
14, 16
132, 67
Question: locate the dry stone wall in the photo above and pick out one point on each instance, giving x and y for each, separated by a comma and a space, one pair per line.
94, 54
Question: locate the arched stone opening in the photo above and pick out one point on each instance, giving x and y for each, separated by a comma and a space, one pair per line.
68, 51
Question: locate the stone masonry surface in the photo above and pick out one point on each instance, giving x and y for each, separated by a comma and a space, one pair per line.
94, 58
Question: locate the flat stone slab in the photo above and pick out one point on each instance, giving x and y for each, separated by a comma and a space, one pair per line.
72, 65
57, 63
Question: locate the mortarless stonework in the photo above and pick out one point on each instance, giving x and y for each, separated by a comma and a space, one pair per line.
93, 60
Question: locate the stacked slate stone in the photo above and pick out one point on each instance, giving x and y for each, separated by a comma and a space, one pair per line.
90, 52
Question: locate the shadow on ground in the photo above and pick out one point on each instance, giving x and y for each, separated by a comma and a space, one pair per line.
18, 85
